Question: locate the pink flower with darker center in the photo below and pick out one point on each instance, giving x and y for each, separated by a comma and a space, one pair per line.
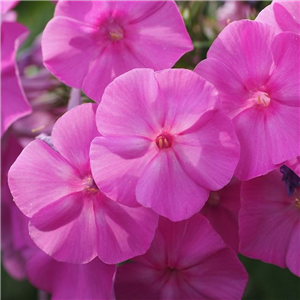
164, 142
187, 260
281, 15
89, 43
269, 219
70, 218
258, 83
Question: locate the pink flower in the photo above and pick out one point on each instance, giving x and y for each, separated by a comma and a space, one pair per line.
89, 43
187, 260
270, 221
294, 164
72, 220
282, 15
163, 141
14, 104
222, 210
232, 11
258, 83
23, 259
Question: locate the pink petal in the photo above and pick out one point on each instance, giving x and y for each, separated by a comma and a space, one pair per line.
114, 60
223, 216
226, 88
162, 33
287, 16
132, 117
244, 46
93, 280
267, 16
123, 232
267, 219
220, 276
126, 147
8, 5
59, 213
285, 89
75, 242
167, 189
209, 151
293, 259
255, 159
73, 133
69, 51
41, 176
115, 176
282, 138
183, 105
14, 104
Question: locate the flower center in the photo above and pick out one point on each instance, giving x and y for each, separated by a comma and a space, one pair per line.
115, 31
262, 98
164, 141
90, 185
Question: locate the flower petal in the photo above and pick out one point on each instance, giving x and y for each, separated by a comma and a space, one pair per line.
68, 45
123, 232
267, 219
116, 176
209, 151
41, 176
283, 137
73, 133
293, 259
186, 96
126, 107
75, 242
244, 46
58, 213
168, 190
285, 89
255, 159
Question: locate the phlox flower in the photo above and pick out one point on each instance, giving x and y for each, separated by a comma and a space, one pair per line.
258, 83
163, 141
70, 218
89, 43
24, 259
187, 260
222, 210
282, 15
270, 220
14, 104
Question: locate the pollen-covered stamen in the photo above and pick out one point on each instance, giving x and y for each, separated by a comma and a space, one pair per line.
115, 31
90, 185
164, 141
262, 98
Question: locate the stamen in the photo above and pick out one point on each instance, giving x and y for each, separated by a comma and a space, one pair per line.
164, 141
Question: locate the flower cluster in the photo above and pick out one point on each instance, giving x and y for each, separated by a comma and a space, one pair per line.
151, 190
